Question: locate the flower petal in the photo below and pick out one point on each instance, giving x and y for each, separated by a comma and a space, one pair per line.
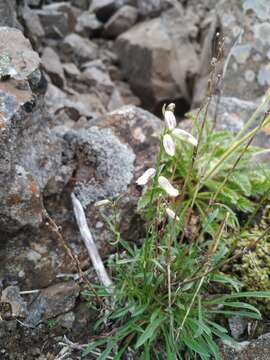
170, 119
146, 176
167, 186
185, 136
101, 203
169, 145
171, 214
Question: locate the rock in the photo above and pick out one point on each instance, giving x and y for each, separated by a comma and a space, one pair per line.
11, 295
126, 94
54, 23
29, 150
122, 20
151, 56
8, 14
136, 127
78, 49
52, 301
81, 4
248, 56
255, 349
66, 320
75, 105
237, 326
103, 9
32, 26
88, 25
232, 114
66, 10
110, 161
152, 8
71, 70
116, 101
52, 65
96, 75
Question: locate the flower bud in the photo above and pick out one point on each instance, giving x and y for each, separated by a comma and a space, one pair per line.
171, 214
146, 176
185, 136
170, 120
167, 186
169, 145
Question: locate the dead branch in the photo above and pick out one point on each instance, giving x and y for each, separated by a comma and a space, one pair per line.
90, 244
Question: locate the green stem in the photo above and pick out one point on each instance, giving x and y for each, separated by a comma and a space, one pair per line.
234, 147
255, 114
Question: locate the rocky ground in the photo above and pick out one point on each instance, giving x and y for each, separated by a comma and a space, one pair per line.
78, 79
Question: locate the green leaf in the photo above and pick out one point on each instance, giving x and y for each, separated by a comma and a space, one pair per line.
149, 331
241, 180
224, 279
198, 347
213, 347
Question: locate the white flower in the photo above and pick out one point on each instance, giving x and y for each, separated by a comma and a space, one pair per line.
185, 136
170, 119
146, 176
169, 145
102, 203
171, 214
167, 186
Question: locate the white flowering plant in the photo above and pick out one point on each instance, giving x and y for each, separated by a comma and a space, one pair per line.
169, 293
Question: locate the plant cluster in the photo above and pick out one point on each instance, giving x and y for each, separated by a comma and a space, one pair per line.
169, 293
253, 267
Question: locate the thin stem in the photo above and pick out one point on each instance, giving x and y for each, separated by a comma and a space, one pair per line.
190, 306
265, 100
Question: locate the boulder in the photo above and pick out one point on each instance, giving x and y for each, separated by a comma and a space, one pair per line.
77, 49
53, 67
121, 21
29, 151
151, 56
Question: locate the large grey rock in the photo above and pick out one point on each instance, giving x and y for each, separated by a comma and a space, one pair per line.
121, 21
29, 152
151, 56
110, 161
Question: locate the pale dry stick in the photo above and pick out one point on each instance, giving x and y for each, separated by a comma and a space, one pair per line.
90, 244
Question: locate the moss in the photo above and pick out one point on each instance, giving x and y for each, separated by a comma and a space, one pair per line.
253, 270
